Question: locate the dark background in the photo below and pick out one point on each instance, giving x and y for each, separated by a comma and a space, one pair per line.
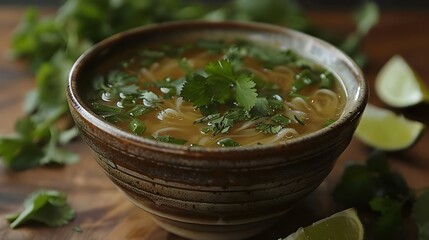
308, 4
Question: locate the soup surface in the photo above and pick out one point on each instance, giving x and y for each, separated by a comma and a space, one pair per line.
216, 93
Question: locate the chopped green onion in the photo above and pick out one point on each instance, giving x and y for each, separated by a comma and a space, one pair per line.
304, 79
328, 122
227, 142
300, 121
137, 126
139, 110
326, 80
281, 119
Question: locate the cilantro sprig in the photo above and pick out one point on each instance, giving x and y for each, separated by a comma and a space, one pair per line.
49, 207
385, 193
220, 84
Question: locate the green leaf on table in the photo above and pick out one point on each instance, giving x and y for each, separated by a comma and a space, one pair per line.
376, 186
356, 187
361, 183
421, 214
37, 39
366, 17
49, 207
32, 147
53, 153
271, 11
18, 153
388, 224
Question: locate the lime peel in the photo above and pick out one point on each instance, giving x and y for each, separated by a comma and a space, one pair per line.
398, 85
384, 130
344, 225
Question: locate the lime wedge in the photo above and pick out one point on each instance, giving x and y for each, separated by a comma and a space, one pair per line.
398, 85
383, 129
344, 225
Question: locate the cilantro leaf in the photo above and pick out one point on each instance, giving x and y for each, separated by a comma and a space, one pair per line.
221, 68
217, 85
268, 128
388, 224
261, 108
245, 92
18, 153
274, 124
46, 206
219, 88
55, 154
360, 183
365, 17
376, 186
36, 145
196, 91
221, 124
356, 187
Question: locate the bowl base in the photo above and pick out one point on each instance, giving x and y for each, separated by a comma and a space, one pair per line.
195, 231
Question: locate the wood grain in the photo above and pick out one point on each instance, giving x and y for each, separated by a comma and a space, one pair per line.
104, 213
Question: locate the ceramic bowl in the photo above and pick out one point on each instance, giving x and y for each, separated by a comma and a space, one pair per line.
216, 193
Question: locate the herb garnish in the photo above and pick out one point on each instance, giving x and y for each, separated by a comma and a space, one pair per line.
220, 123
218, 85
274, 124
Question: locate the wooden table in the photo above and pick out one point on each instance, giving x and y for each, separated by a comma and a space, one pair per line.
104, 213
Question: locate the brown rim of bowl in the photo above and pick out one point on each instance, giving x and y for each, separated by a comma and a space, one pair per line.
81, 107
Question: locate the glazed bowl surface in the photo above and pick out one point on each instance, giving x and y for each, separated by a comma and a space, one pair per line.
216, 193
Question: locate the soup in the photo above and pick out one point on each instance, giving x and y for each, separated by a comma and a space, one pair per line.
216, 93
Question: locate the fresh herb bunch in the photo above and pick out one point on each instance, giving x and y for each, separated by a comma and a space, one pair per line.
385, 192
52, 43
